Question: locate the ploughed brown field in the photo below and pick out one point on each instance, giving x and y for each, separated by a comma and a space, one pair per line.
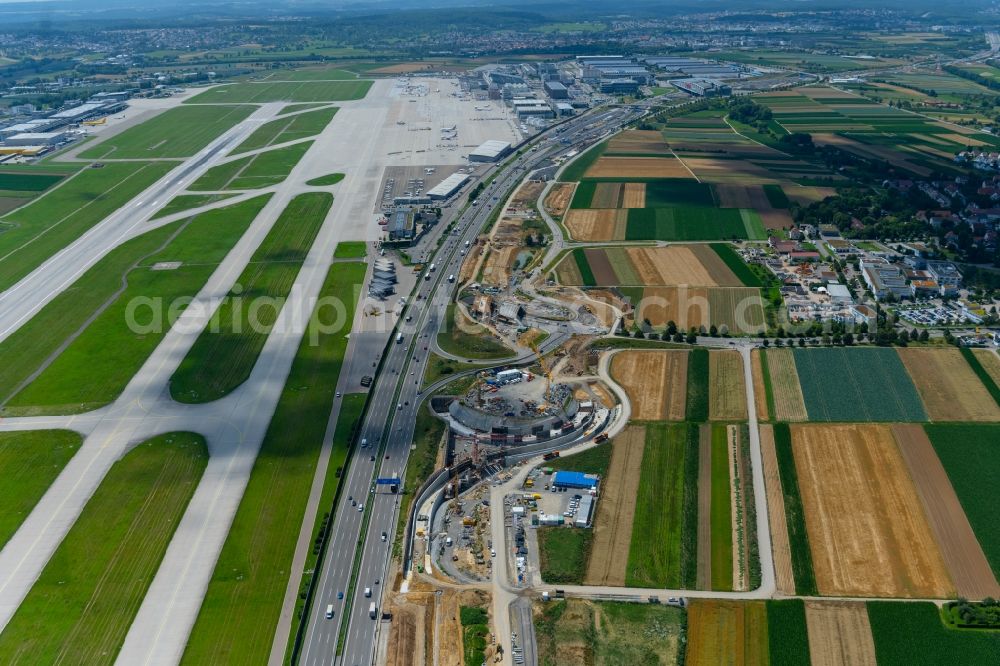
839, 633
637, 167
655, 381
868, 533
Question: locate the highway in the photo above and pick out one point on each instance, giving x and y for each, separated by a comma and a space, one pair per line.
391, 418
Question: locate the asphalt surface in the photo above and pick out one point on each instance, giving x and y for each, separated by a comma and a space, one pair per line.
392, 415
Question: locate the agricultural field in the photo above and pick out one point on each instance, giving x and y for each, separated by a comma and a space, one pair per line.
969, 456
839, 633
662, 166
283, 91
857, 384
79, 351
867, 529
33, 233
87, 595
654, 382
727, 632
727, 394
912, 634
289, 128
720, 513
662, 552
739, 309
780, 547
693, 265
608, 557
222, 359
263, 169
29, 463
948, 386
243, 601
594, 633
178, 132
782, 385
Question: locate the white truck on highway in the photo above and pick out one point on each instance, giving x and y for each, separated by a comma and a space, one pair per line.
451, 278
399, 338
372, 611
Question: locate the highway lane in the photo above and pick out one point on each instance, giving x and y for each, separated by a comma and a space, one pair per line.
394, 416
34, 291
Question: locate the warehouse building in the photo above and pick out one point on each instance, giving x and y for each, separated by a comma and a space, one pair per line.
619, 86
36, 139
490, 151
584, 512
402, 224
448, 186
575, 480
556, 90
702, 87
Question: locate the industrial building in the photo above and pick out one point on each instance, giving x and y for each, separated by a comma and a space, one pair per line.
36, 139
585, 510
402, 224
490, 151
449, 186
702, 87
698, 68
884, 279
575, 480
556, 90
620, 87
564, 109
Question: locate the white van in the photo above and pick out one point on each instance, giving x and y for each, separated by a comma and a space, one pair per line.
368, 592
329, 611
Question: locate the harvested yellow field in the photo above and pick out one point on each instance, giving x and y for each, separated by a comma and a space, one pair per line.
634, 195
759, 390
727, 394
789, 404
990, 362
737, 172
727, 632
839, 634
868, 534
655, 381
695, 265
948, 386
637, 167
597, 225
807, 194
558, 198
638, 141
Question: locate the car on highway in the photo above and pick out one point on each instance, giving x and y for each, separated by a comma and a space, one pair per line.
372, 459
361, 507
340, 595
384, 536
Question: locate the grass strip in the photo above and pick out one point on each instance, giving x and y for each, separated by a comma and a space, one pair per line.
697, 386
299, 126
578, 167
427, 433
324, 181
788, 639
594, 460
29, 463
351, 250
689, 533
32, 234
83, 603
474, 342
243, 602
795, 519
475, 629
765, 372
981, 372
96, 366
736, 264
563, 552
183, 202
263, 169
224, 354
721, 512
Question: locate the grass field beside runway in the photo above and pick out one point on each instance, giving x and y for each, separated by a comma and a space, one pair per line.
288, 128
29, 463
80, 608
32, 234
259, 170
183, 202
283, 91
95, 367
221, 360
178, 132
240, 612
324, 181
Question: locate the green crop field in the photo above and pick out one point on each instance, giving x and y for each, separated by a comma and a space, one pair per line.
788, 640
221, 359
29, 463
721, 512
678, 192
89, 592
685, 223
241, 607
32, 234
305, 91
351, 250
575, 170
662, 549
912, 634
178, 132
325, 181
594, 460
27, 182
289, 128
96, 366
795, 517
253, 171
696, 409
857, 384
183, 202
776, 196
736, 264
971, 456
